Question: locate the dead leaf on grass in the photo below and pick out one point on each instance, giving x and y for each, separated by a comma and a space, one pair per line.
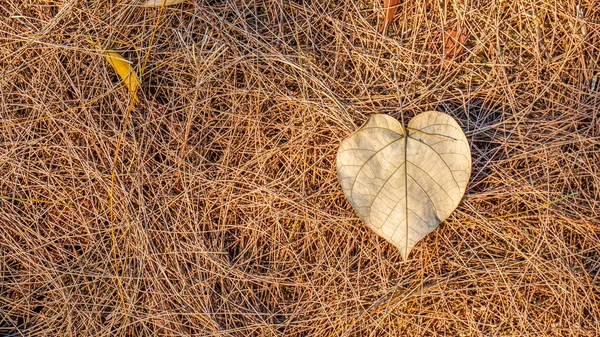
161, 3
390, 7
403, 182
454, 41
125, 70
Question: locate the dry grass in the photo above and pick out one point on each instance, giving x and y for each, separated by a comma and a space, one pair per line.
213, 207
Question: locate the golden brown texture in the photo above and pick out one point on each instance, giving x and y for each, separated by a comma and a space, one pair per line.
227, 213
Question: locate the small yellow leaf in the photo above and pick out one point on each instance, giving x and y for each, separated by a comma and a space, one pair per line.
160, 3
125, 70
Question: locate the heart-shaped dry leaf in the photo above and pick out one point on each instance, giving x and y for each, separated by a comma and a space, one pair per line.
404, 182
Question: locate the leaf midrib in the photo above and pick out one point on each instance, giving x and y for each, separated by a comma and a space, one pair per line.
406, 193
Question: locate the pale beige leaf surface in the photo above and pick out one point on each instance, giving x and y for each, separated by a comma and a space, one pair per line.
403, 182
125, 70
159, 3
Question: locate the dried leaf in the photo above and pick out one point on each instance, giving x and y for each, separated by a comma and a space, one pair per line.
581, 21
125, 71
403, 182
454, 42
161, 3
390, 7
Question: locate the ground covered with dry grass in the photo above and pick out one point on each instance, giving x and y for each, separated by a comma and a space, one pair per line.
212, 207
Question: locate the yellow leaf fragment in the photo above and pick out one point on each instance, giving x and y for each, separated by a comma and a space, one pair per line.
125, 70
160, 3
